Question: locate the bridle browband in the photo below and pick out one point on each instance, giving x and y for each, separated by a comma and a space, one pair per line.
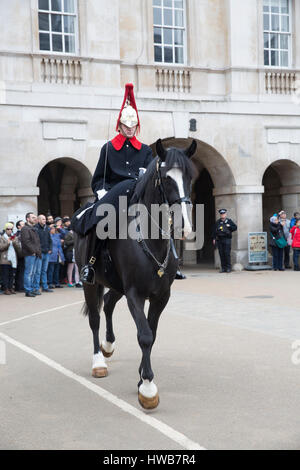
159, 183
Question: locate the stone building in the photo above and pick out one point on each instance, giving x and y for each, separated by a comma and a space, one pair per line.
223, 72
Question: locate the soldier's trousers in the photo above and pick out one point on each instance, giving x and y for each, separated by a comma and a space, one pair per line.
224, 247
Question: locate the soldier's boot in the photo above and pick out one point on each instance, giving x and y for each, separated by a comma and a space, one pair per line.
87, 273
180, 275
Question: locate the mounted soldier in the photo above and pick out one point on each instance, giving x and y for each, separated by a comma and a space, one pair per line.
121, 161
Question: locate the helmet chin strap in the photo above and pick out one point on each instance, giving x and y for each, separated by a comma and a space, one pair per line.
122, 132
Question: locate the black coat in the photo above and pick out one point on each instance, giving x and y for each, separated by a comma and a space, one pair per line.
276, 231
122, 169
121, 165
224, 229
45, 237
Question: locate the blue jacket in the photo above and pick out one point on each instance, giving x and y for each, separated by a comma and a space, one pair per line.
56, 249
293, 222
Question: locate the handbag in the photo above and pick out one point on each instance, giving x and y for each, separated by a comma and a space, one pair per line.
280, 242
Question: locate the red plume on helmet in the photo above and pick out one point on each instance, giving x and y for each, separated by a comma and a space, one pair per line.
129, 100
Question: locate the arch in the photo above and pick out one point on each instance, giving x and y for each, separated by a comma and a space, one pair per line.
64, 185
213, 173
288, 171
207, 157
281, 181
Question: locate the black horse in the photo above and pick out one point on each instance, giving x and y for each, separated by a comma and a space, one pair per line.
145, 268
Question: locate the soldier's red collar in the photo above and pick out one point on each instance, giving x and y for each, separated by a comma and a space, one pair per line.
118, 142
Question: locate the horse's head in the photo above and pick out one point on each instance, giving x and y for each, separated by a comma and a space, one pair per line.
175, 173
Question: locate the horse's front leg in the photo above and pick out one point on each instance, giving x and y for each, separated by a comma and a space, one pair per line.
110, 300
156, 307
148, 393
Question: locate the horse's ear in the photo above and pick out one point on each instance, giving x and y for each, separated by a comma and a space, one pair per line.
191, 149
161, 152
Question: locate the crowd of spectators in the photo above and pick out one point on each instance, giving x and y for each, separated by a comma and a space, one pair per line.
284, 235
37, 256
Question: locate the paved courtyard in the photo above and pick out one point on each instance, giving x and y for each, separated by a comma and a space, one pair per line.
222, 363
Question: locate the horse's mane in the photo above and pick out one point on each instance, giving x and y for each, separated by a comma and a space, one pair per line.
174, 158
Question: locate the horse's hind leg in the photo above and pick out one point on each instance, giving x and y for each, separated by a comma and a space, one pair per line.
110, 300
93, 297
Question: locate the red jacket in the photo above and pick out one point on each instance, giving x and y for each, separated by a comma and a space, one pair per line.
295, 231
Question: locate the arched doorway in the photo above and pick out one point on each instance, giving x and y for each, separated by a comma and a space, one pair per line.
281, 182
64, 185
214, 176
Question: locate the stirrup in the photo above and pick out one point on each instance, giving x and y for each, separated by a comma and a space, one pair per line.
87, 274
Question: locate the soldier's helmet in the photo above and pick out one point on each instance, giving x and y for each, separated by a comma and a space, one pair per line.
129, 114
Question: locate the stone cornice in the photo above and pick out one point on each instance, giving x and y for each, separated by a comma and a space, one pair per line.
241, 189
19, 191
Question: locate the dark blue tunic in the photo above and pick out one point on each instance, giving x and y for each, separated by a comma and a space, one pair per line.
119, 179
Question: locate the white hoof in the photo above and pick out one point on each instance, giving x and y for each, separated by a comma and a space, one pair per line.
99, 366
148, 389
98, 360
148, 395
107, 348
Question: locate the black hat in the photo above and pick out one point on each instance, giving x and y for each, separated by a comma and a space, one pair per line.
57, 219
222, 211
66, 219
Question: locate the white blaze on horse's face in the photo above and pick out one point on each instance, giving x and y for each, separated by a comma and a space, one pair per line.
177, 176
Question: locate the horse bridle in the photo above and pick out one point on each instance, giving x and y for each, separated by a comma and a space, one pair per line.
185, 199
159, 183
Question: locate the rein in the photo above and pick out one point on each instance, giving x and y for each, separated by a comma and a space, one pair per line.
158, 182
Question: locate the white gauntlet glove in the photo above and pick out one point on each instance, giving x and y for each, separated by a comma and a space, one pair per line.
101, 193
142, 171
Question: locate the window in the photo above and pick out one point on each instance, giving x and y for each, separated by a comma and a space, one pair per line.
277, 32
57, 25
169, 31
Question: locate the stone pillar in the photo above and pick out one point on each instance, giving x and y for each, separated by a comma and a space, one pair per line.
67, 204
85, 195
290, 197
15, 202
244, 205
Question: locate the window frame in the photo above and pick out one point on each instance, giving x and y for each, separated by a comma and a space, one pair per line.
172, 28
50, 32
289, 35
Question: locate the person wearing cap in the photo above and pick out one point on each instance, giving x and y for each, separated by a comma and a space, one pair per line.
286, 224
9, 250
121, 161
222, 235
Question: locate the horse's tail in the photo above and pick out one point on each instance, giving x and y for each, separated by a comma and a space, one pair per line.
93, 299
